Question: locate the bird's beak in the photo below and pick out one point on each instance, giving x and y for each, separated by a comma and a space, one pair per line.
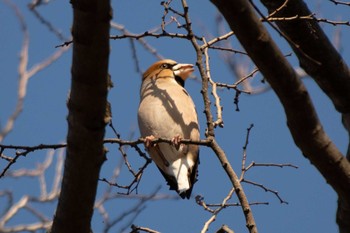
183, 70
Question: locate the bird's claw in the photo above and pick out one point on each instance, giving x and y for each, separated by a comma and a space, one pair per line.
149, 141
176, 141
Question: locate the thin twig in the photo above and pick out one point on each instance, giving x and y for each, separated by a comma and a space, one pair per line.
235, 85
340, 2
224, 229
23, 72
136, 229
219, 121
266, 190
284, 35
245, 147
142, 41
56, 32
278, 9
228, 50
148, 34
280, 165
217, 39
217, 211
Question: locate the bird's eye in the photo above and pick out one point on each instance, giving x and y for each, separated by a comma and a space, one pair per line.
164, 66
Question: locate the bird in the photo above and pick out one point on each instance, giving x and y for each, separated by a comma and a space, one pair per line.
166, 110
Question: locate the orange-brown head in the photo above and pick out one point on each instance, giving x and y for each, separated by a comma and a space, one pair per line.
169, 68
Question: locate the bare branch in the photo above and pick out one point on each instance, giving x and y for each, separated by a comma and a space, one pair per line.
136, 229
277, 9
28, 228
280, 165
340, 2
138, 207
24, 150
46, 62
33, 8
148, 34
142, 41
331, 71
217, 39
217, 211
23, 72
244, 157
266, 190
224, 229
235, 85
306, 17
219, 121
23, 78
306, 129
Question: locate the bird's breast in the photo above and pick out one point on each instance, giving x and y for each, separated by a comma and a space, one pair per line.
166, 110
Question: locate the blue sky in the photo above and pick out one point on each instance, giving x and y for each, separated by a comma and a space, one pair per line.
312, 203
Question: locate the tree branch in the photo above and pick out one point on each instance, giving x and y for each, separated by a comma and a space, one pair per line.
250, 222
333, 77
331, 73
302, 119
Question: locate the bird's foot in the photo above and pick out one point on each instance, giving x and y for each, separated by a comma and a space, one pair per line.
176, 141
149, 141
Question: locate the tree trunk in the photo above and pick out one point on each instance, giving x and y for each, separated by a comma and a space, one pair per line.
87, 116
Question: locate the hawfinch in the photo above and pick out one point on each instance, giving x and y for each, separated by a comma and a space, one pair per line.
166, 110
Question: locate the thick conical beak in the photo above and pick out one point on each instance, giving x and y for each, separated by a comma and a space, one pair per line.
183, 70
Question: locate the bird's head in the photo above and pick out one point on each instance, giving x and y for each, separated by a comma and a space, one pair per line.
169, 68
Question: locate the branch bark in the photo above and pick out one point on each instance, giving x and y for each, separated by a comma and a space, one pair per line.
210, 134
86, 118
330, 72
310, 44
302, 120
250, 221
